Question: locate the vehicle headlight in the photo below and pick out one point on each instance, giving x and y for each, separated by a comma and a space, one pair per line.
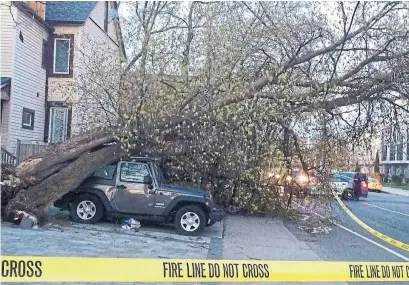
303, 178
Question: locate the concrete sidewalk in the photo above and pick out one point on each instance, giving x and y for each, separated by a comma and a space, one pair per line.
263, 238
396, 191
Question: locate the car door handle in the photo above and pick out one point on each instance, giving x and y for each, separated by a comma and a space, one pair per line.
121, 187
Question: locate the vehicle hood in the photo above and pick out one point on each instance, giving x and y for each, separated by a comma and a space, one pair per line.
182, 189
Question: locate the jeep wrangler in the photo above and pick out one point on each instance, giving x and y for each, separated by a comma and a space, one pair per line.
136, 188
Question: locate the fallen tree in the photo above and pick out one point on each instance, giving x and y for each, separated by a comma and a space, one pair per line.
42, 179
244, 86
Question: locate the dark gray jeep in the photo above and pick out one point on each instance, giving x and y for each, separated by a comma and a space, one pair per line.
136, 188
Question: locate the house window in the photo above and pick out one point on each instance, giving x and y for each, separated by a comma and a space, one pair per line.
392, 152
2, 112
58, 125
44, 55
28, 119
384, 153
399, 151
407, 151
61, 56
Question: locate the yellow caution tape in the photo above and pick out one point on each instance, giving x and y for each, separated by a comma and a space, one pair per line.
87, 269
382, 236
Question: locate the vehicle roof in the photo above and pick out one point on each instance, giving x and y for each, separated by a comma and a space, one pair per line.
343, 176
346, 173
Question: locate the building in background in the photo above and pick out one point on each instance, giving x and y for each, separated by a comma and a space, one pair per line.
394, 156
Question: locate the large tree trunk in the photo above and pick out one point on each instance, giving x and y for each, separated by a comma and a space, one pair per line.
42, 179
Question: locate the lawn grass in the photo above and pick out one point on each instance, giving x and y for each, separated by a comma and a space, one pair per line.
399, 186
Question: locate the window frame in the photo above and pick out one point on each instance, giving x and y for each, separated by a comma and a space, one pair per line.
31, 125
69, 55
106, 17
44, 55
392, 152
106, 168
131, 162
384, 153
52, 47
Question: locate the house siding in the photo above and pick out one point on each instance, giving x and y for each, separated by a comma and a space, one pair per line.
95, 45
28, 81
111, 29
7, 32
98, 17
90, 40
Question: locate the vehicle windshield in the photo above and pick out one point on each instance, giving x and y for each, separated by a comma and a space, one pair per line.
346, 174
158, 173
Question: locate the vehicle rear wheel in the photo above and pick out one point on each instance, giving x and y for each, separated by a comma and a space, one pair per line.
190, 220
347, 194
87, 209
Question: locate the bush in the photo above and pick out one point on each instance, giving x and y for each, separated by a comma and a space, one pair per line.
397, 179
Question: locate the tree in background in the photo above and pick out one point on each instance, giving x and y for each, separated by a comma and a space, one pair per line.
357, 167
376, 164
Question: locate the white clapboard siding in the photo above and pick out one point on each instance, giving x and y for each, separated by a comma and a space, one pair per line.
28, 79
6, 38
98, 17
95, 44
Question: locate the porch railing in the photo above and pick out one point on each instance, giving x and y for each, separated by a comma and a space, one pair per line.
7, 158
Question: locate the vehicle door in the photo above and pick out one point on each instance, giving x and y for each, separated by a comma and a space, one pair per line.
134, 193
163, 195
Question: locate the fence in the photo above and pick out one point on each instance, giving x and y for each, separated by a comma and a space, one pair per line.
29, 148
7, 158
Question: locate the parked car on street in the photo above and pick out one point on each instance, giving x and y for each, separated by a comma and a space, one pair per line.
374, 185
343, 184
136, 188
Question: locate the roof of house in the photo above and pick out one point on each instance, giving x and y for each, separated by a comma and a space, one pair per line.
72, 12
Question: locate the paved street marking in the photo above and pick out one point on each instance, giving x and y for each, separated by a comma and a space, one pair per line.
382, 236
392, 211
374, 242
95, 269
361, 236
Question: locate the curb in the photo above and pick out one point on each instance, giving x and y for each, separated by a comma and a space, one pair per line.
396, 194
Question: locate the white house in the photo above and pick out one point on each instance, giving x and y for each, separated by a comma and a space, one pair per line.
42, 47
23, 74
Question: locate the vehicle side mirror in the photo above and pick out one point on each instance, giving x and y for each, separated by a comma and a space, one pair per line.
147, 179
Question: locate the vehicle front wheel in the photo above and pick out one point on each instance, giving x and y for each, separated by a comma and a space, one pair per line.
87, 209
190, 220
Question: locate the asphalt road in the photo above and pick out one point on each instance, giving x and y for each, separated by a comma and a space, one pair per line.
386, 213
